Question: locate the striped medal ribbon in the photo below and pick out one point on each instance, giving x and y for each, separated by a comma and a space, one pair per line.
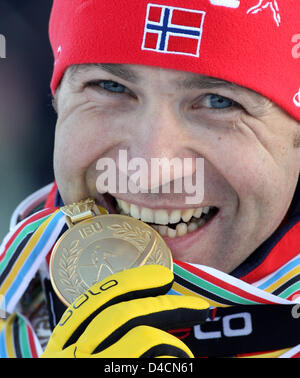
224, 291
17, 339
22, 252
221, 289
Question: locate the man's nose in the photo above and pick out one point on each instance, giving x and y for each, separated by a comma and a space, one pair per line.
160, 142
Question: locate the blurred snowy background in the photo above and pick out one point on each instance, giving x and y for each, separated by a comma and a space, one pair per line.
27, 120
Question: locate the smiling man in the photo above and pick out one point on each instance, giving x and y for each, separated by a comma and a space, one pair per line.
182, 80
155, 112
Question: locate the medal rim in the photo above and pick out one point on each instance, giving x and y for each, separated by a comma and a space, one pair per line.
66, 233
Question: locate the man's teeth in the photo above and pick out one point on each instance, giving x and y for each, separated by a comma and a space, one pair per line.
187, 220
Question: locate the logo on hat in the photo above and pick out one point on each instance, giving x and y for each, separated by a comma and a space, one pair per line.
226, 3
296, 99
173, 30
58, 52
263, 4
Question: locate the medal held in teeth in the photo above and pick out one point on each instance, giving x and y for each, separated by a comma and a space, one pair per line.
99, 244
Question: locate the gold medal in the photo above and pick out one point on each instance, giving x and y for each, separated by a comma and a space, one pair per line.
97, 245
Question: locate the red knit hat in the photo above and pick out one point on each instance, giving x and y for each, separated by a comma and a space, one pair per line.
253, 43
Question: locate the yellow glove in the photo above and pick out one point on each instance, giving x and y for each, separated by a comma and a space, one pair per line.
127, 316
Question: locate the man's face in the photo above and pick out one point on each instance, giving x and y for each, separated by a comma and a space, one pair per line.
251, 167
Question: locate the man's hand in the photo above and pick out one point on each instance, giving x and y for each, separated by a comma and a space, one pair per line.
127, 316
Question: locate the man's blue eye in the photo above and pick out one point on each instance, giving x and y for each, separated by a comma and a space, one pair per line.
219, 102
112, 86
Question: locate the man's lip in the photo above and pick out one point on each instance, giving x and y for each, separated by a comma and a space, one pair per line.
181, 239
180, 244
157, 203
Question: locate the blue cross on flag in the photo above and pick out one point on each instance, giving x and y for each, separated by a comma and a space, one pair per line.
173, 30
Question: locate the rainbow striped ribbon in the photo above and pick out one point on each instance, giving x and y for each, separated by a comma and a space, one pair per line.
222, 290
284, 282
21, 254
23, 251
17, 339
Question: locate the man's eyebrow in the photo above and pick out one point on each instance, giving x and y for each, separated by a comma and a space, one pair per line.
208, 82
124, 72
205, 82
119, 70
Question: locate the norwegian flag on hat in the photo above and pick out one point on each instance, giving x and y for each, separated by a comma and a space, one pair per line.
173, 30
